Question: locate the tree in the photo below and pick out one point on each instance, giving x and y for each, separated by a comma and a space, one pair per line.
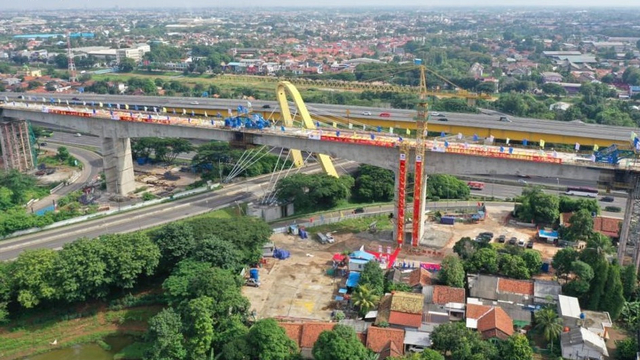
486, 87
554, 89
372, 277
32, 275
563, 260
548, 322
129, 256
248, 234
429, 354
465, 248
199, 327
341, 343
613, 299
461, 342
165, 336
581, 281
538, 206
516, 348
629, 282
218, 253
126, 65
175, 242
533, 260
484, 260
373, 184
269, 341
445, 186
365, 299
452, 272
513, 266
63, 154
597, 285
581, 226
316, 191
626, 349
80, 271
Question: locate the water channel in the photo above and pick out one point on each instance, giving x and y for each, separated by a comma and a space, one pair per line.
89, 351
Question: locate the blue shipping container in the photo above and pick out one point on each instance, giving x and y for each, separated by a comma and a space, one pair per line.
447, 220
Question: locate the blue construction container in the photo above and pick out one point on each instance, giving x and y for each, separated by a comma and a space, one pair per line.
447, 220
254, 274
545, 267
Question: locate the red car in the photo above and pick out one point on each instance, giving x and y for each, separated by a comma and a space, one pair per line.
385, 114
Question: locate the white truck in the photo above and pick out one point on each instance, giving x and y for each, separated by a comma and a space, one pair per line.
326, 238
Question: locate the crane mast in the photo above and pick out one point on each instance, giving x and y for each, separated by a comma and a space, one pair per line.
421, 133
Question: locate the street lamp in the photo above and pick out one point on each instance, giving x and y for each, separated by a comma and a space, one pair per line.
558, 181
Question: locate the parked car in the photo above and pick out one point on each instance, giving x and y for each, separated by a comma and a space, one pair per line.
522, 243
436, 114
530, 245
252, 282
607, 199
513, 240
43, 144
487, 234
505, 119
366, 113
502, 238
40, 172
385, 114
359, 210
443, 119
266, 106
524, 176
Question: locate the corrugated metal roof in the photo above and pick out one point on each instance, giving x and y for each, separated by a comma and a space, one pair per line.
569, 306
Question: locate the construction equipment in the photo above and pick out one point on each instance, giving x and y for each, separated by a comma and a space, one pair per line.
421, 121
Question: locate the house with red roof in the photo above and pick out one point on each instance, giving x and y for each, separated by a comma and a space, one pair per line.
604, 225
443, 304
490, 321
401, 310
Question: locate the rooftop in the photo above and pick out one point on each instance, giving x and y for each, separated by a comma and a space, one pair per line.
569, 306
523, 287
380, 338
443, 295
496, 319
420, 276
409, 303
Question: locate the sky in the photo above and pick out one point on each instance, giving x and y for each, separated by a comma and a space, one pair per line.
80, 4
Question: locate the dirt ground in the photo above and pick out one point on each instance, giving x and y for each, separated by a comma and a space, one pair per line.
152, 177
299, 287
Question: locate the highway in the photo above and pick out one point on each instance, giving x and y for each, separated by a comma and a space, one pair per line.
484, 121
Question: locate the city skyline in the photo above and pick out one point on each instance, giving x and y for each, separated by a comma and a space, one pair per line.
81, 4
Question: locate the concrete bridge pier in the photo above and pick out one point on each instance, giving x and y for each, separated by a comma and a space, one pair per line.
630, 232
118, 165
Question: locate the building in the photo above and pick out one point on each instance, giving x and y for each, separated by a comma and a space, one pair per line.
26, 71
604, 225
401, 310
416, 278
548, 77
516, 297
491, 321
580, 343
136, 53
443, 304
476, 71
585, 331
385, 341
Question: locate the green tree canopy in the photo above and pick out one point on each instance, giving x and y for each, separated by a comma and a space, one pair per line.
165, 336
548, 322
443, 186
373, 184
372, 277
341, 343
537, 206
269, 341
452, 272
516, 348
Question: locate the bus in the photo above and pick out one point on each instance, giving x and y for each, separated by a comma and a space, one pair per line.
582, 191
475, 185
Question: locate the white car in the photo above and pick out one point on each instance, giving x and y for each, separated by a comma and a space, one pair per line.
77, 135
436, 113
522, 243
194, 103
367, 113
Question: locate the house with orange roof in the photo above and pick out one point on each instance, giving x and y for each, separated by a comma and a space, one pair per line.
385, 341
443, 304
604, 225
490, 321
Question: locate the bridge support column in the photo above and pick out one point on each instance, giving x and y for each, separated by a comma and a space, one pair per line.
630, 232
118, 165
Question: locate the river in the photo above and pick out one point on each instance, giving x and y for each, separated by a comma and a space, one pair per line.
90, 351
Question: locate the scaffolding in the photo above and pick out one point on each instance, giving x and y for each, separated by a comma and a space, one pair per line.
16, 145
630, 232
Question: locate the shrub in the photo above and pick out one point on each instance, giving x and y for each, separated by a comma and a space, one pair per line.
613, 209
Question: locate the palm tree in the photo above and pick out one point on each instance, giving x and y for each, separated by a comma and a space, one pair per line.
549, 323
365, 299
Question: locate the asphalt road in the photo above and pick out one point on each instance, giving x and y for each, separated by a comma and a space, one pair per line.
613, 133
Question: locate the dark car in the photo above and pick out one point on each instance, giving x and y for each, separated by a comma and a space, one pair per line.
266, 106
358, 210
513, 240
443, 119
385, 114
530, 245
486, 234
43, 144
75, 99
607, 199
502, 238
504, 119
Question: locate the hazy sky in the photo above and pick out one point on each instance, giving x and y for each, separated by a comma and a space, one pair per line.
66, 4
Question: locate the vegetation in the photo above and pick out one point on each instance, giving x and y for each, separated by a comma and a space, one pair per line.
341, 343
162, 149
443, 186
452, 272
537, 206
455, 341
514, 262
549, 324
312, 192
